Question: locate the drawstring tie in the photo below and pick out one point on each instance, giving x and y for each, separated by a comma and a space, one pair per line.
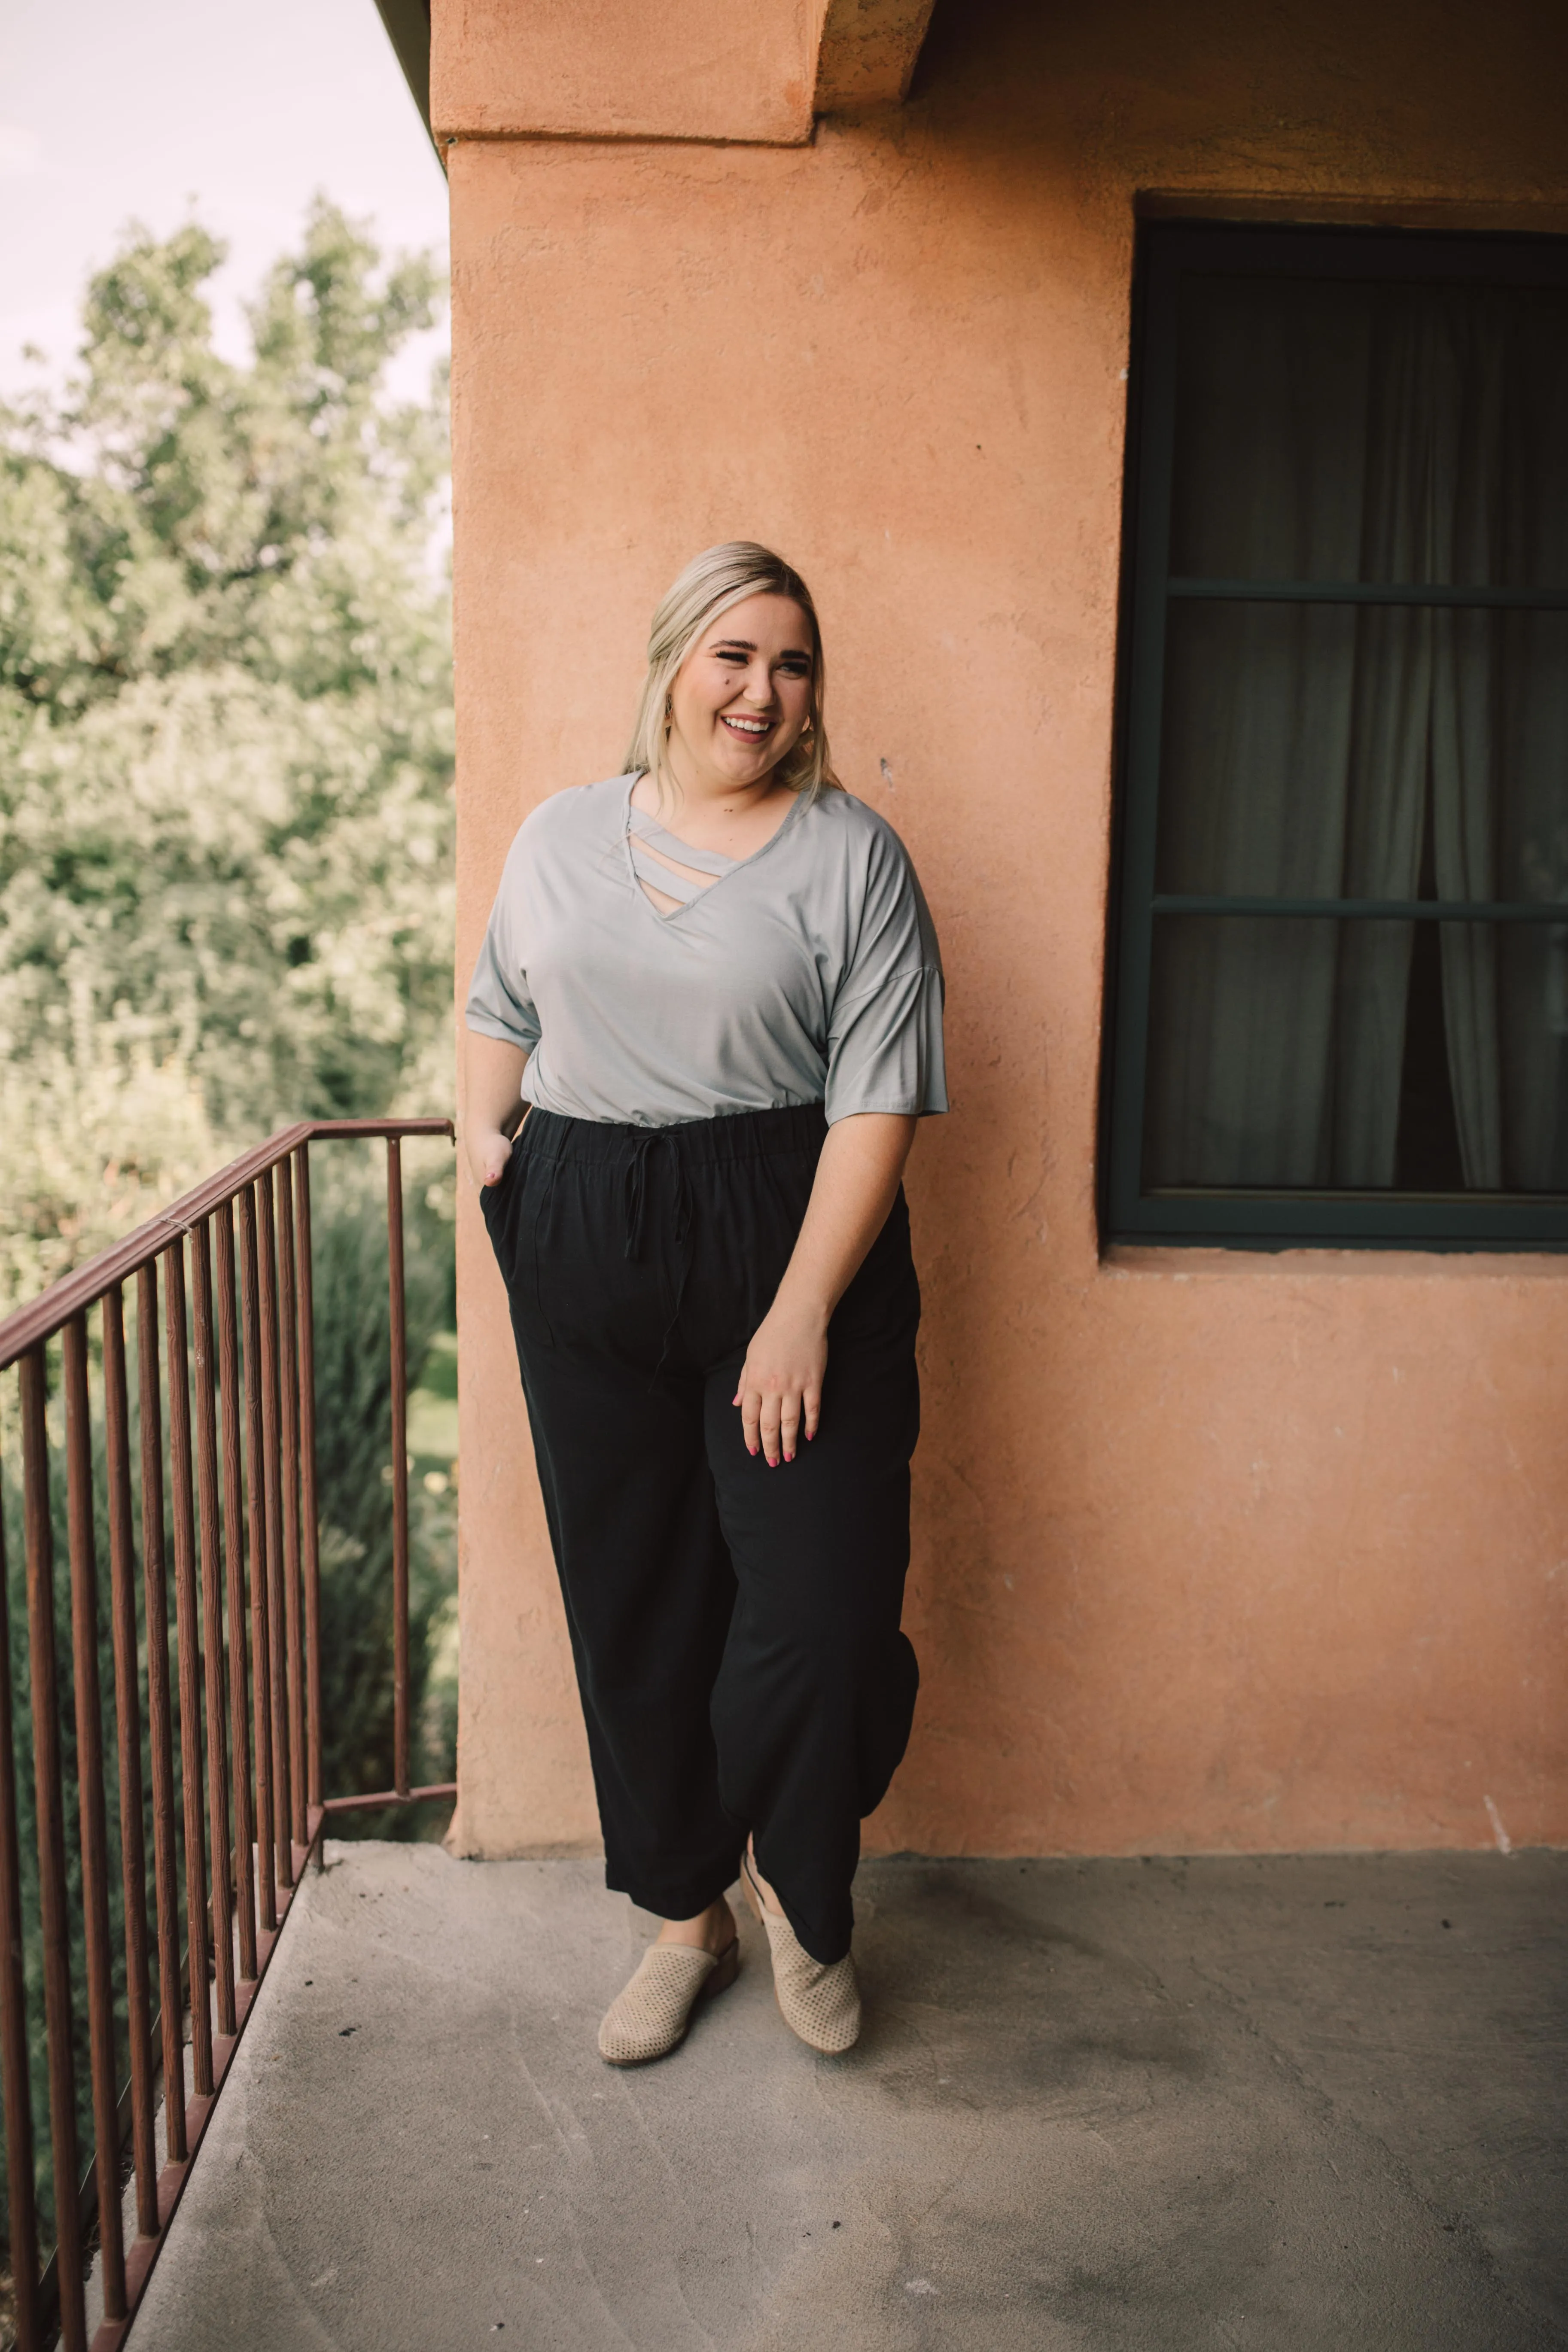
658, 1139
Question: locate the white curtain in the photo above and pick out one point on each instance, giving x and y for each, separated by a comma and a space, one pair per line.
1347, 432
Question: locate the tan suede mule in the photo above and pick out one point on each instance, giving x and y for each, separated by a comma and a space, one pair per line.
650, 2016
820, 2002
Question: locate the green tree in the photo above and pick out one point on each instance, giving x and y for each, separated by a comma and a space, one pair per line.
226, 872
226, 821
225, 737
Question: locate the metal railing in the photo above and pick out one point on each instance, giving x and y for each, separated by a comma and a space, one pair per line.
223, 1322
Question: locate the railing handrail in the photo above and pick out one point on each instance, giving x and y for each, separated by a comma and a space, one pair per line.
45, 1317
224, 1422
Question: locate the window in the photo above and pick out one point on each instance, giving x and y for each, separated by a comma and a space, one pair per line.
1341, 980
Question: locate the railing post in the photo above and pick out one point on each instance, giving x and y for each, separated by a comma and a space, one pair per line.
288, 1370
308, 1507
271, 1451
234, 1584
93, 1826
128, 1724
255, 1493
187, 1631
21, 2202
54, 1919
161, 1738
399, 1466
211, 1623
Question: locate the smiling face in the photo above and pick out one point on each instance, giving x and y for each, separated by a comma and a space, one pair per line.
741, 698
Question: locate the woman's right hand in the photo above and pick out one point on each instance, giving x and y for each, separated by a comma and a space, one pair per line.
489, 1153
491, 1102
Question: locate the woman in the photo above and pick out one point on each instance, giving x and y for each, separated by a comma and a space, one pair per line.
714, 983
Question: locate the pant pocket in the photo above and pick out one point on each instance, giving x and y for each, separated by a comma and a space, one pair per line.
493, 1199
517, 1223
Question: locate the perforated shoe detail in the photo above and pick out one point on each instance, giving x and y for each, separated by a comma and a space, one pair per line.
820, 2000
650, 2016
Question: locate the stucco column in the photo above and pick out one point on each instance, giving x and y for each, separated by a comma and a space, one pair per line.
1213, 1550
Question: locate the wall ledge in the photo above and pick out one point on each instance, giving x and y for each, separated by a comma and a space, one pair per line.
663, 71
1176, 1263
868, 53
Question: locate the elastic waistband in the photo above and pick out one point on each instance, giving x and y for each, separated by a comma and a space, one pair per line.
742, 1135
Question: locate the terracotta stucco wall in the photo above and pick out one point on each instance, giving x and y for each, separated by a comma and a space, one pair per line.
1210, 1551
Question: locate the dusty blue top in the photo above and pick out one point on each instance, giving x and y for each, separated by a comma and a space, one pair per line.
806, 973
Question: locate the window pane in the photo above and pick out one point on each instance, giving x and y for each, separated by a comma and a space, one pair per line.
1356, 412
1316, 1055
1371, 431
1356, 751
1254, 766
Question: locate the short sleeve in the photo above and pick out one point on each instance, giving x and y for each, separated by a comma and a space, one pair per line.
884, 1036
499, 1004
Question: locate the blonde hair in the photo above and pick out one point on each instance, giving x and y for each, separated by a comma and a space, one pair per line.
710, 584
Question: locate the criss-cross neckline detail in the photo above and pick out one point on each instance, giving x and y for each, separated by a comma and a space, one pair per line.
645, 834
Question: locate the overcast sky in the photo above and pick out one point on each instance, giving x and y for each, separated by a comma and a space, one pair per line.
118, 109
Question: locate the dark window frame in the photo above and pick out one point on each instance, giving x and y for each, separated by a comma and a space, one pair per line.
1262, 1219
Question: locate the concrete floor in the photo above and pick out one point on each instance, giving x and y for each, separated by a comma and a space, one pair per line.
1296, 2104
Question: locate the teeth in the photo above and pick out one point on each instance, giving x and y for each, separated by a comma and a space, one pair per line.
749, 726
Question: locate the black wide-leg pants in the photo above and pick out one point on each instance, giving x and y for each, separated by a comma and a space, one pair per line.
735, 1628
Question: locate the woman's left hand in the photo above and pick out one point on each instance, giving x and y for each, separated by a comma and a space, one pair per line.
854, 1186
780, 1389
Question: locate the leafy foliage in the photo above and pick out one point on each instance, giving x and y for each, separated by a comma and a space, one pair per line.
353, 1372
224, 738
225, 889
